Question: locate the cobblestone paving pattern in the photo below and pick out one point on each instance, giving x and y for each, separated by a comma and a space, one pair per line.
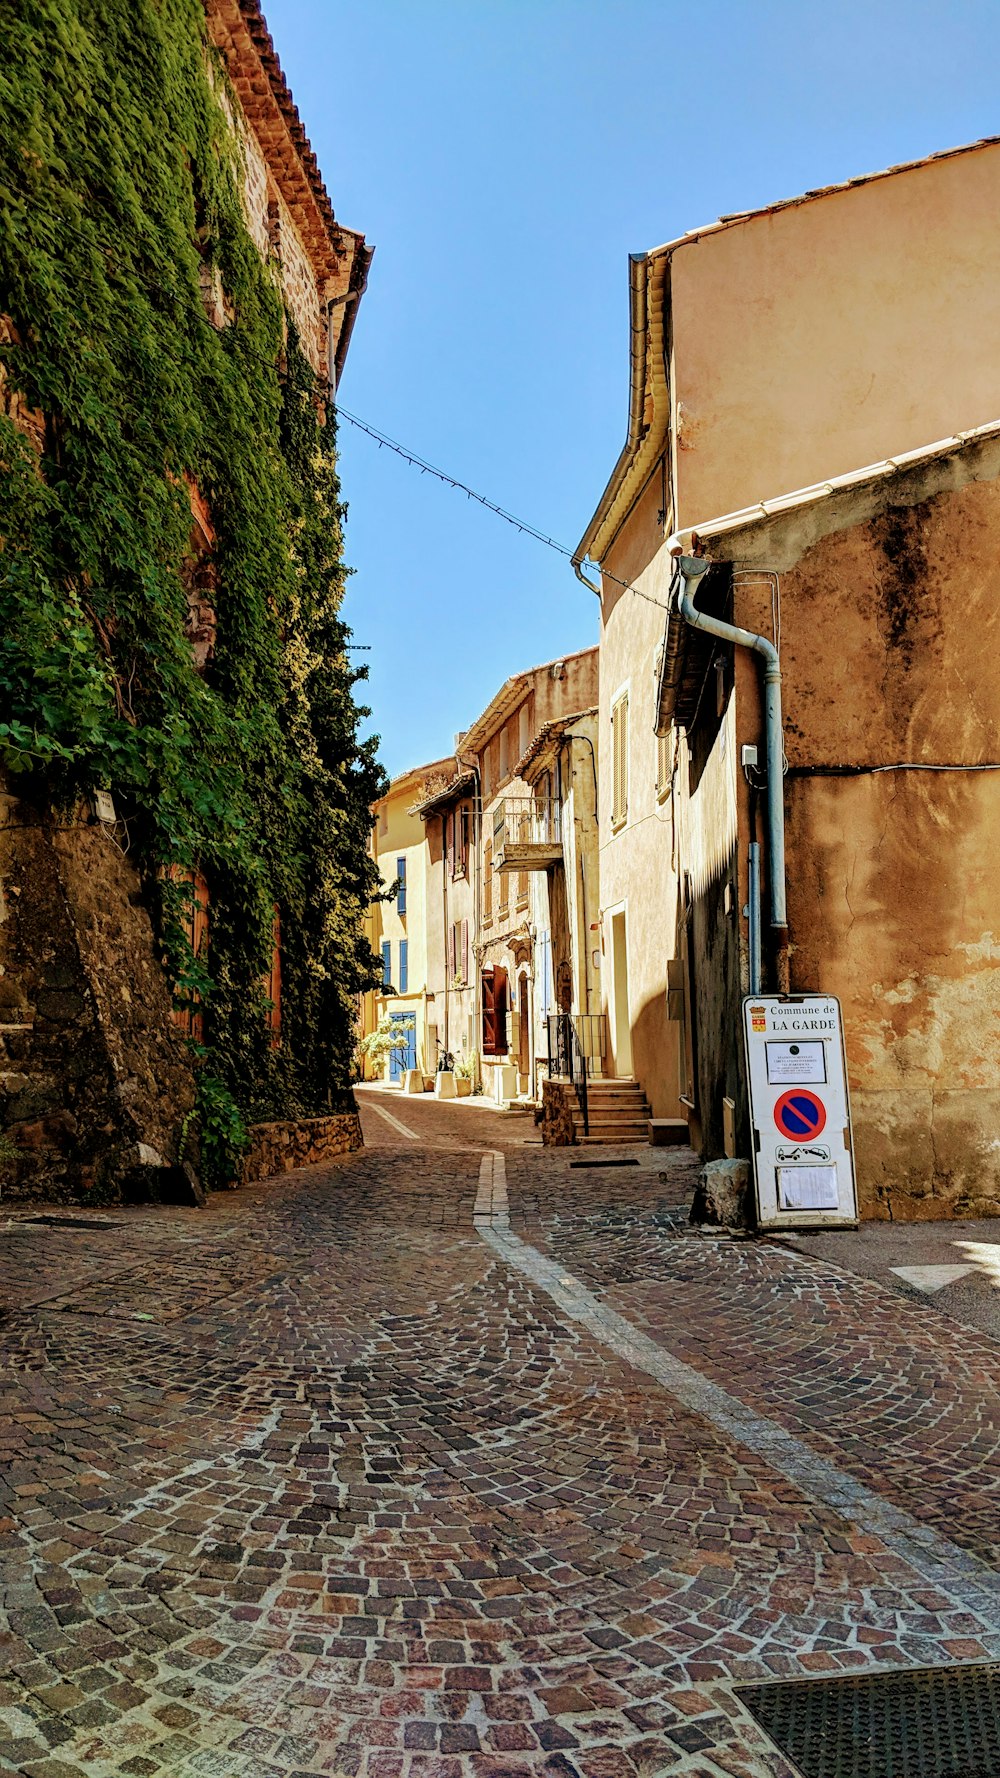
889, 1388
311, 1481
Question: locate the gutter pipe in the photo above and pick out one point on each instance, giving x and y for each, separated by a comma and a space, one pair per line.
690, 570
472, 765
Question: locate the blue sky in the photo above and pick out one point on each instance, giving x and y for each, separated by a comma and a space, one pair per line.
505, 158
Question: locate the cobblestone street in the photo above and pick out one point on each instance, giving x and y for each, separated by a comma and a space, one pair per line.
459, 1456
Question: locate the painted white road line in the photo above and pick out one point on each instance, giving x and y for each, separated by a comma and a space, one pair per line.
394, 1121
973, 1588
490, 1210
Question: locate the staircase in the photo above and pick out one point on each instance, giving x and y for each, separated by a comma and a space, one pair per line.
618, 1112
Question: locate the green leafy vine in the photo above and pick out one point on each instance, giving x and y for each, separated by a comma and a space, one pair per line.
120, 196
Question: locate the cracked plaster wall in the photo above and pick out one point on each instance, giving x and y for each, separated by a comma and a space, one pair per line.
890, 631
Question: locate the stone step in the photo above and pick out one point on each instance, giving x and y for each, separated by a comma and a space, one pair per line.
633, 1127
613, 1119
616, 1098
628, 1141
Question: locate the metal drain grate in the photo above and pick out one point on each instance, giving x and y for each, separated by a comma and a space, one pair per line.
630, 1162
69, 1222
928, 1722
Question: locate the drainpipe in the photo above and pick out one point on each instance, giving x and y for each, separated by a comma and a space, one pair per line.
690, 570
471, 765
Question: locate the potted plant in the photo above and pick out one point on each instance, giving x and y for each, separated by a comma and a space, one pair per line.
466, 1073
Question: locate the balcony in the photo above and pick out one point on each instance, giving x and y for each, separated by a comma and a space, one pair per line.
526, 834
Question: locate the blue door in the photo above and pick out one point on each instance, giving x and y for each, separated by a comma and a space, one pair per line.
400, 1060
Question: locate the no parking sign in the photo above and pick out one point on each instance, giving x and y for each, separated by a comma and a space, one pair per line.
799, 1111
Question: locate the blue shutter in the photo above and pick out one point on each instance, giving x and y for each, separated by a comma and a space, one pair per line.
403, 965
387, 965
401, 895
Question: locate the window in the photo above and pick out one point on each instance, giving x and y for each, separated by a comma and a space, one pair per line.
386, 964
504, 892
495, 1013
522, 885
523, 730
404, 966
458, 953
456, 829
619, 761
401, 892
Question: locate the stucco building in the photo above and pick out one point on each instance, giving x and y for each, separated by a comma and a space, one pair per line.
454, 865
511, 947
813, 410
405, 931
558, 845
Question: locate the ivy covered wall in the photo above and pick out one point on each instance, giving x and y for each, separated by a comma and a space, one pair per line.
120, 196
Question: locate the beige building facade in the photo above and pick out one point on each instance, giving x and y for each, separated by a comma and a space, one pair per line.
559, 845
510, 946
847, 335
451, 827
403, 928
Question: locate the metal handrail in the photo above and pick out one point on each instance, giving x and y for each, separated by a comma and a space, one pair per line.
527, 821
575, 1043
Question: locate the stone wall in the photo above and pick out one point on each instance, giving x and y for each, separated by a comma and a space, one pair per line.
94, 1078
277, 1148
558, 1100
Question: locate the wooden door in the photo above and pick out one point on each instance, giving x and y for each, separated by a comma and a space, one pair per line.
495, 1013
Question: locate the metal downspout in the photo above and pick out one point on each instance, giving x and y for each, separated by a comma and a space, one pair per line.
691, 569
471, 765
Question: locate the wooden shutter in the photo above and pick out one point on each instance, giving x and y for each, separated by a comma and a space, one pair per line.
495, 1013
619, 761
404, 966
488, 880
452, 951
401, 894
465, 951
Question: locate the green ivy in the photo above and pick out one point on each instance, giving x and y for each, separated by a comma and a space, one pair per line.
119, 183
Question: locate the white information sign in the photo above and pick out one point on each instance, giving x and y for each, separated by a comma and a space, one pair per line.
799, 1111
791, 1062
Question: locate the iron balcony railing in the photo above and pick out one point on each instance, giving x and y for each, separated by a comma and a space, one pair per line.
526, 821
577, 1044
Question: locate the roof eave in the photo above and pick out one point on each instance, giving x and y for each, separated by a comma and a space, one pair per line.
649, 415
